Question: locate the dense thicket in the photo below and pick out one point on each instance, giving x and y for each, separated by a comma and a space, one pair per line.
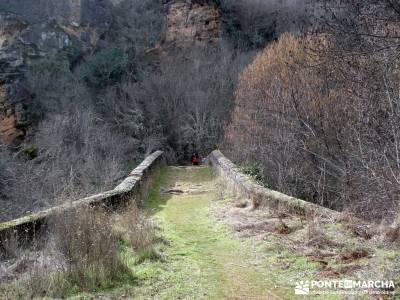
254, 23
188, 101
321, 113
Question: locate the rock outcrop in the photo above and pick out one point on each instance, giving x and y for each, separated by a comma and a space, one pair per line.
31, 30
12, 117
189, 21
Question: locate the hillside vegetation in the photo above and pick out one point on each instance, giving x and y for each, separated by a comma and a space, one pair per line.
304, 96
89, 91
317, 108
320, 112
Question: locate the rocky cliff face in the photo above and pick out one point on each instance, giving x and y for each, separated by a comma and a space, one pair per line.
34, 29
12, 117
189, 21
11, 60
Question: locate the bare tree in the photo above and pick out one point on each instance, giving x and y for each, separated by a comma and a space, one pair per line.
320, 135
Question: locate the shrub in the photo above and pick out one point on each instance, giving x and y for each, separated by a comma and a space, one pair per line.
318, 134
140, 22
5, 173
254, 170
254, 23
86, 240
81, 254
52, 86
138, 230
107, 67
31, 152
87, 135
86, 249
79, 156
188, 102
57, 65
8, 246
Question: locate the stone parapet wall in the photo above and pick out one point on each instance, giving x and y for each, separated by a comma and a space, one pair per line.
135, 186
246, 188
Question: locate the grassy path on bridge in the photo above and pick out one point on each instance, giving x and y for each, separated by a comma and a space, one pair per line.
197, 254
203, 260
200, 257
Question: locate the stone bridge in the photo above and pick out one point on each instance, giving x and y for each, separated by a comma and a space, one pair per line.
137, 184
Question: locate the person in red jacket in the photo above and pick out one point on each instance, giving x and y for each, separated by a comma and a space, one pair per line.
195, 159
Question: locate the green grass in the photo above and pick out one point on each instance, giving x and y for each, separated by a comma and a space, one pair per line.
203, 260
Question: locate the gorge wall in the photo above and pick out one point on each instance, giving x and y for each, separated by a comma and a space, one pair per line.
33, 30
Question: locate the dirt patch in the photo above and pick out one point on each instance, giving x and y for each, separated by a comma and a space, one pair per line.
272, 226
353, 255
241, 204
178, 191
349, 269
322, 241
319, 260
260, 226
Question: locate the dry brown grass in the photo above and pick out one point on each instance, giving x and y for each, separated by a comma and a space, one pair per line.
281, 227
138, 231
316, 237
392, 233
241, 203
83, 252
8, 246
357, 226
89, 246
352, 255
329, 244
385, 232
